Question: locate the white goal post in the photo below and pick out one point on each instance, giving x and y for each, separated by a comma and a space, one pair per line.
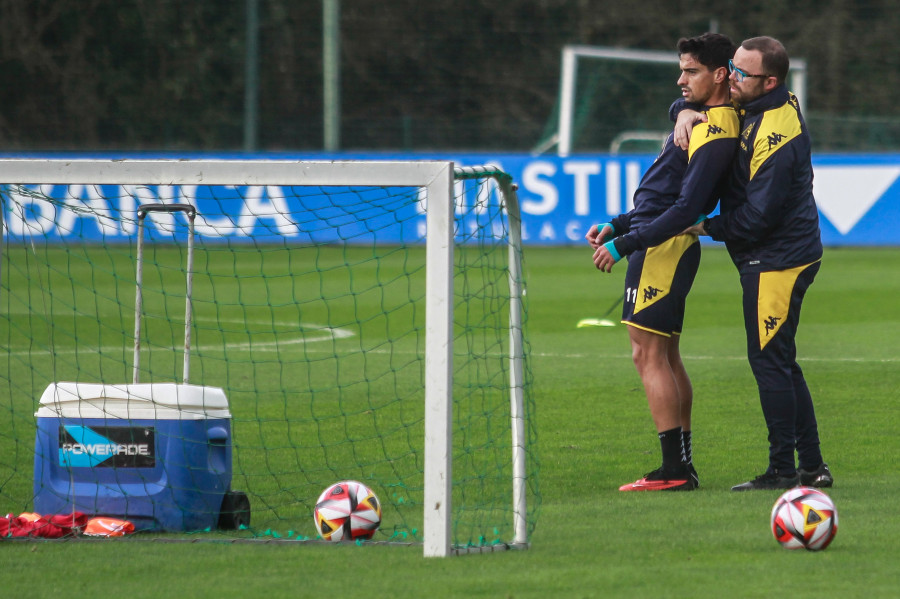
572, 54
436, 180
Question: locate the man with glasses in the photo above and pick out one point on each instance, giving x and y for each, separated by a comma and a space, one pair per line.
770, 224
679, 187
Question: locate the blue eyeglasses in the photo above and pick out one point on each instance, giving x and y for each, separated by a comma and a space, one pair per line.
741, 74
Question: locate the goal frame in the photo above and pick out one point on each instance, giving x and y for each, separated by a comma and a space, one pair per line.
437, 178
571, 54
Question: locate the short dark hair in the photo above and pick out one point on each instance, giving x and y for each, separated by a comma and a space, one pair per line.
712, 50
775, 60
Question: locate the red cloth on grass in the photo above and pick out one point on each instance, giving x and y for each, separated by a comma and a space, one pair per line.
47, 527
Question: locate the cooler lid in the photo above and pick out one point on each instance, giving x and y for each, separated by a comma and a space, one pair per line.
144, 401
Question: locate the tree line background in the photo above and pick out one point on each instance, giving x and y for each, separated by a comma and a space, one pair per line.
169, 75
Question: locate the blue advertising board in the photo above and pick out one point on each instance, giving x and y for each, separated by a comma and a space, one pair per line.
858, 195
560, 198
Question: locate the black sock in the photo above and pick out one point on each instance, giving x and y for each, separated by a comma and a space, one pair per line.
686, 441
672, 448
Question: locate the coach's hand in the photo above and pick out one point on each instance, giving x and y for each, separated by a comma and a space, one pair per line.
698, 228
684, 125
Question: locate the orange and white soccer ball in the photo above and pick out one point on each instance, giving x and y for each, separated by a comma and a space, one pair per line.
804, 518
347, 511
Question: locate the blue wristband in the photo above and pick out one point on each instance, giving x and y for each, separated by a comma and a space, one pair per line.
611, 248
610, 225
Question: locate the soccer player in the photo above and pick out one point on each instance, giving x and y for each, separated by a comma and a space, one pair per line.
770, 225
680, 187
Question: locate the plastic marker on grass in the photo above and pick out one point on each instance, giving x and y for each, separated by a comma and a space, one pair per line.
602, 321
594, 322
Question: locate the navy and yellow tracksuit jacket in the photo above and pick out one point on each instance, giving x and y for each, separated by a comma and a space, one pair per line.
768, 217
680, 185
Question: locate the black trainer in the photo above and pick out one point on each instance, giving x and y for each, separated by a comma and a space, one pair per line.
693, 473
820, 477
769, 480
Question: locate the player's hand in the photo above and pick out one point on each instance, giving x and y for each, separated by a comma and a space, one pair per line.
598, 235
603, 260
687, 118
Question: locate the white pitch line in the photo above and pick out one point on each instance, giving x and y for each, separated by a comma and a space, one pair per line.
329, 333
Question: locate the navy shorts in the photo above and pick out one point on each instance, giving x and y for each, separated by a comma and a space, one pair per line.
657, 283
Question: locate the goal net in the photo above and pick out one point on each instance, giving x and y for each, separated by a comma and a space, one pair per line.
184, 338
617, 99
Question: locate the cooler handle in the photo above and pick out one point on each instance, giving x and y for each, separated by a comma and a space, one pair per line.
142, 212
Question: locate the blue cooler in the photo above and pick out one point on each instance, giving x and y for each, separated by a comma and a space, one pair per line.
158, 455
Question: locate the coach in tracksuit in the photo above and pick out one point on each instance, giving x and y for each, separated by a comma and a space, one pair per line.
769, 222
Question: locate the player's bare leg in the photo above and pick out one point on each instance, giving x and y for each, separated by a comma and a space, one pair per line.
652, 355
686, 402
650, 352
682, 380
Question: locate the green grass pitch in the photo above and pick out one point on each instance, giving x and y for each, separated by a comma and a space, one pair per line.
594, 434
